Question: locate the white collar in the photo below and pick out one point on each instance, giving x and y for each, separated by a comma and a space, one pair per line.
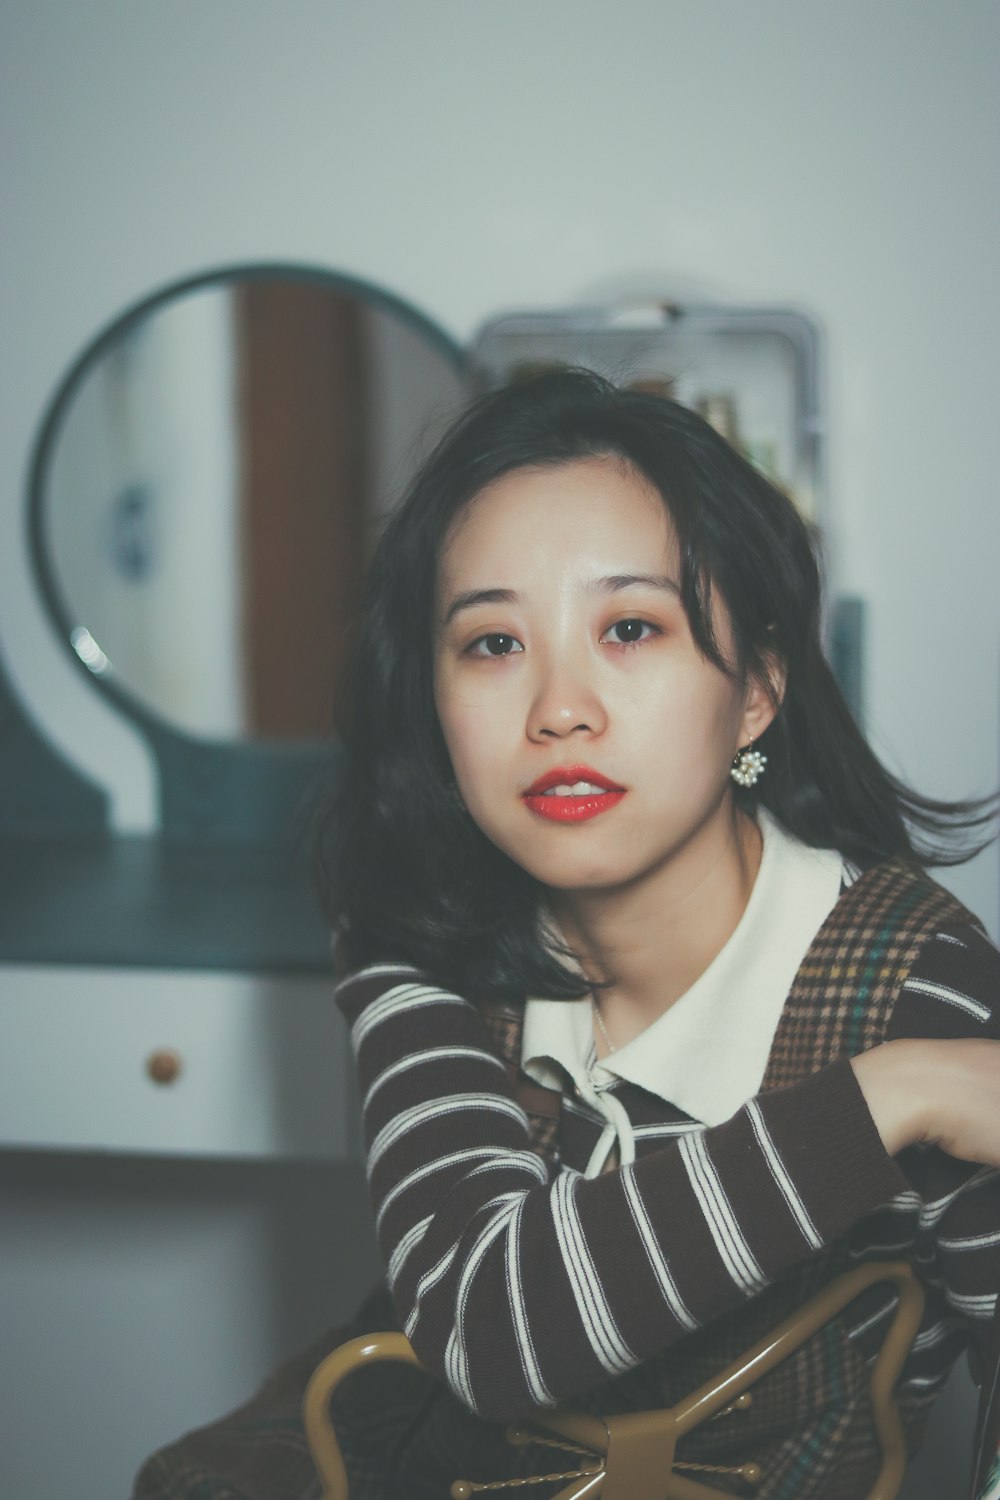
708, 1053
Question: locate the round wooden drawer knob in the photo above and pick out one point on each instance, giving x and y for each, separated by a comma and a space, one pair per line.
164, 1065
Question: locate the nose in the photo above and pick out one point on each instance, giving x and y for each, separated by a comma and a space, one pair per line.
565, 703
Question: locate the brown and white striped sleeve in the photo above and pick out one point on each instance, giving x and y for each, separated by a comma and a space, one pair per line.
521, 1289
953, 990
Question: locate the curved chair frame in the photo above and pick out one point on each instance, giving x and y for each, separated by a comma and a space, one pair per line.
636, 1451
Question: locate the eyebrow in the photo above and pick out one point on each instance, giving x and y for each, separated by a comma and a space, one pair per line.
614, 583
472, 597
618, 581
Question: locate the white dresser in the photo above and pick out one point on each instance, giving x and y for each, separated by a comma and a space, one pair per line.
174, 1062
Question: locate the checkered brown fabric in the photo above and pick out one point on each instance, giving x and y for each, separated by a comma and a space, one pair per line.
844, 992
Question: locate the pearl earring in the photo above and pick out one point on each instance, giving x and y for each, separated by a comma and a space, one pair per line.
748, 766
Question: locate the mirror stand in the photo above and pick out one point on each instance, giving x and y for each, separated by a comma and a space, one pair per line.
213, 890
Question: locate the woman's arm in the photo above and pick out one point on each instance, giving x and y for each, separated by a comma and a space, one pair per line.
919, 1092
948, 1097
522, 1291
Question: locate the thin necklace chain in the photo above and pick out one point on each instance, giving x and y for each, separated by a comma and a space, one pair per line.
600, 1025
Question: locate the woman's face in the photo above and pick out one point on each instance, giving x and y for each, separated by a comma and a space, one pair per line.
590, 739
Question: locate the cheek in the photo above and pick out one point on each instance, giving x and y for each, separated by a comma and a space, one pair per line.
723, 731
694, 718
475, 760
450, 725
451, 713
469, 734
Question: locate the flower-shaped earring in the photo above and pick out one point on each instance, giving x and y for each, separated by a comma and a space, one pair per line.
748, 766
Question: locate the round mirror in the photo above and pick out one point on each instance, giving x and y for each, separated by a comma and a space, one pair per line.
208, 484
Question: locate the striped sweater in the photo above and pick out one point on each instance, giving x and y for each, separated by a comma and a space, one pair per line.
522, 1283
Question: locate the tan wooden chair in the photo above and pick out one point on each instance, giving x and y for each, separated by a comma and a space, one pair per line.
632, 1456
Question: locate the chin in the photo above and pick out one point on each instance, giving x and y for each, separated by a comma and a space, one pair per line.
569, 877
566, 869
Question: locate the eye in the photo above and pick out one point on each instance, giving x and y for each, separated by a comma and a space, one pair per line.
629, 632
495, 644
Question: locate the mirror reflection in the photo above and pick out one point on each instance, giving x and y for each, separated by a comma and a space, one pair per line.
211, 486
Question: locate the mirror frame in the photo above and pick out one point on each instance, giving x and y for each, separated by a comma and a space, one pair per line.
211, 790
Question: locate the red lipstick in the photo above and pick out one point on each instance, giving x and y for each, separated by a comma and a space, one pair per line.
572, 794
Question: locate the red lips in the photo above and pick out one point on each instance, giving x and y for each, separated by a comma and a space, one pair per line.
566, 776
575, 808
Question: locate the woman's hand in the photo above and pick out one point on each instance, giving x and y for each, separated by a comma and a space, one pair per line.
945, 1093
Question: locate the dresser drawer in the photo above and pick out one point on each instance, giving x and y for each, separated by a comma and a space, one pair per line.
170, 1062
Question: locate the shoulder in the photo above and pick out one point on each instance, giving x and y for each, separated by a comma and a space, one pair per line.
393, 987
897, 899
396, 1005
892, 929
952, 987
360, 988
946, 980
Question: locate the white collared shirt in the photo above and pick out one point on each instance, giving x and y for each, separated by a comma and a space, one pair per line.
707, 1054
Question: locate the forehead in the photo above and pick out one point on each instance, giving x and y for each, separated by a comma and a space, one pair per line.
599, 508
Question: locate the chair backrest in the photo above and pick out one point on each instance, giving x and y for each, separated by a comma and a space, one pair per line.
633, 1456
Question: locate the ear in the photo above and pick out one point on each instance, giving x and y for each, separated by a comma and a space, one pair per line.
764, 694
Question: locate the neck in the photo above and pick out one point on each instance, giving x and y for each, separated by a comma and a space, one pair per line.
648, 942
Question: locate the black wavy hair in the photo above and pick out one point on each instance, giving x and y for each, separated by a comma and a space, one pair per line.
408, 875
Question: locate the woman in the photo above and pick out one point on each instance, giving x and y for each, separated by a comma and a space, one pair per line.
658, 1023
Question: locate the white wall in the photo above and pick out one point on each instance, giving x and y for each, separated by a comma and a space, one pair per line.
477, 158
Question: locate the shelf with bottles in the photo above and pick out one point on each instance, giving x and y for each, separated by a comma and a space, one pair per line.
751, 372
